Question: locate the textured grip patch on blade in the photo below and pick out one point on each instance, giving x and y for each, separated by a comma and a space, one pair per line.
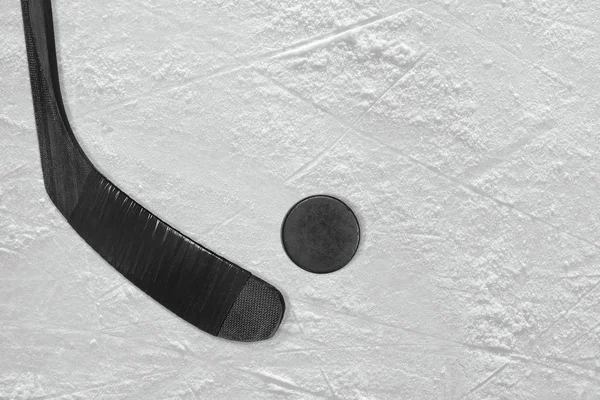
256, 314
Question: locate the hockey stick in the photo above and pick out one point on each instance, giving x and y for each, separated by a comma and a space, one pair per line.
198, 285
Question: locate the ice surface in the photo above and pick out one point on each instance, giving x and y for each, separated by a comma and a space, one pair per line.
465, 134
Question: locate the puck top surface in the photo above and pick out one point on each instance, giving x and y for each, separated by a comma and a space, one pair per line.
320, 234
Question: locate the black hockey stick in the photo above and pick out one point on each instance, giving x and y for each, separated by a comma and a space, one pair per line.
198, 285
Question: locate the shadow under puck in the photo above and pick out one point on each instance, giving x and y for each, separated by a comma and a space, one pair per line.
320, 234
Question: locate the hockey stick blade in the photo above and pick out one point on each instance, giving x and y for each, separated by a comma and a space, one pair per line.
196, 284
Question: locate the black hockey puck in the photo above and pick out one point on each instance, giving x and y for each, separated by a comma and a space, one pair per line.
320, 234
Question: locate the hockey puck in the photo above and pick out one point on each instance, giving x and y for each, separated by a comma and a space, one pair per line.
320, 234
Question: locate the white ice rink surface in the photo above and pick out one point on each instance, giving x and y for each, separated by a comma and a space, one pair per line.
465, 135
